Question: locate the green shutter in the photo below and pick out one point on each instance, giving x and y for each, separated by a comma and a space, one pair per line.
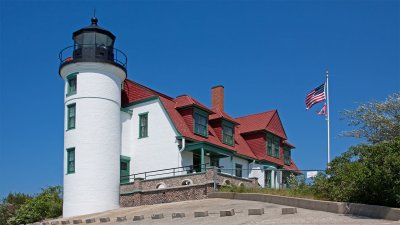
70, 160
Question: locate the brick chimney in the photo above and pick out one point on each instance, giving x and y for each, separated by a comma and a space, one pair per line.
217, 97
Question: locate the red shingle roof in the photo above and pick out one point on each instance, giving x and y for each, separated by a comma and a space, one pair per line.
133, 91
240, 147
186, 100
268, 121
222, 115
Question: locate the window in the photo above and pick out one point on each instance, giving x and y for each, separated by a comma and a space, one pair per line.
273, 144
124, 169
276, 143
269, 144
267, 178
200, 124
227, 134
286, 156
71, 85
238, 170
70, 160
143, 125
71, 116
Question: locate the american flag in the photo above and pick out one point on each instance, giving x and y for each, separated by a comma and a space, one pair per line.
315, 96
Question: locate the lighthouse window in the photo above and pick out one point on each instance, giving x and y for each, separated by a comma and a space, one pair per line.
71, 116
143, 125
71, 86
70, 160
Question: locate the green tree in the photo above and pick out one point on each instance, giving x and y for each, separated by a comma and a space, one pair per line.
365, 174
10, 204
47, 204
375, 121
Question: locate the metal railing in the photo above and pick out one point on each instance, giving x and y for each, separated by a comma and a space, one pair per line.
282, 174
176, 171
279, 177
93, 51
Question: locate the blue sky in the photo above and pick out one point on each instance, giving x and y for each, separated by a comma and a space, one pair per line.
267, 54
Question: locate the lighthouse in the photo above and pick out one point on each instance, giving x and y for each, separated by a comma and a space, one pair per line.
93, 71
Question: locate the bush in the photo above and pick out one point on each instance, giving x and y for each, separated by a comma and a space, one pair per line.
48, 204
364, 174
11, 204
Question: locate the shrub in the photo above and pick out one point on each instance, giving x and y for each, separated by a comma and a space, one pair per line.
11, 204
364, 174
48, 204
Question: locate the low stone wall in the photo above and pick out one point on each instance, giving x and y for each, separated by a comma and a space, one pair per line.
226, 179
373, 211
175, 194
174, 189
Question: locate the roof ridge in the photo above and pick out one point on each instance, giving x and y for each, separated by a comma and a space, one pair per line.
256, 113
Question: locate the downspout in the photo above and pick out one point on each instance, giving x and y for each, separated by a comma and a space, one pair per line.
183, 145
181, 150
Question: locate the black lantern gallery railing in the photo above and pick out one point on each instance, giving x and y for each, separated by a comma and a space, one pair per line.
92, 53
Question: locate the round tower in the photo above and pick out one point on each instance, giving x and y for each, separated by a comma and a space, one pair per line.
93, 71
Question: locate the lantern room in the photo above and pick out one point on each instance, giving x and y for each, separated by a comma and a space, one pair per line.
93, 44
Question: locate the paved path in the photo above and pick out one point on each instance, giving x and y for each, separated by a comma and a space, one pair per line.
272, 214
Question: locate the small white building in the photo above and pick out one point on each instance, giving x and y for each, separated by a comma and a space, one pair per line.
115, 127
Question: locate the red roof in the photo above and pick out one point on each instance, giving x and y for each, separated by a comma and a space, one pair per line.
222, 115
133, 92
186, 100
267, 121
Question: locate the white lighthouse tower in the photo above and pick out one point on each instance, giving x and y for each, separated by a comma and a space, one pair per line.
93, 71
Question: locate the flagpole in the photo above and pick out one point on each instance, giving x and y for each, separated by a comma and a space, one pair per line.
327, 117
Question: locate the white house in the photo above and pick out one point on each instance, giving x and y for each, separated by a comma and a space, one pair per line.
115, 127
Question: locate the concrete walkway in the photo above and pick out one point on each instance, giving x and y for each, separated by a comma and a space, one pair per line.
273, 214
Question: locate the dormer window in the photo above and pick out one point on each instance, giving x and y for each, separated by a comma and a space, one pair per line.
200, 123
286, 156
227, 133
273, 143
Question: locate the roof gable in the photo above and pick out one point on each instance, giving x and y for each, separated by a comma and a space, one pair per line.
275, 126
265, 121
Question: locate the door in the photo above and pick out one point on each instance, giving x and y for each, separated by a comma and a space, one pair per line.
196, 163
124, 169
267, 178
